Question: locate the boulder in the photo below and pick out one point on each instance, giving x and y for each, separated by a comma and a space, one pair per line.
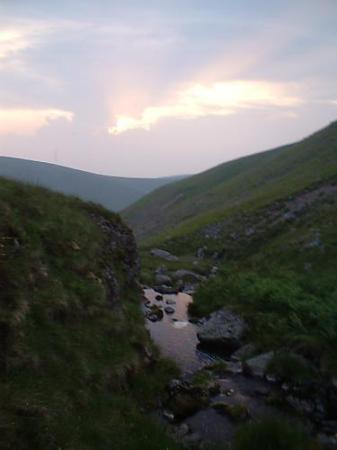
163, 279
164, 289
183, 274
169, 310
257, 366
222, 331
163, 254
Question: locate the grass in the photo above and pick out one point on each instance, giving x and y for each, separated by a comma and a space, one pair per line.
72, 368
273, 434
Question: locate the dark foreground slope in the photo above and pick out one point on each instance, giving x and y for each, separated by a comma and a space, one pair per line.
74, 355
247, 182
114, 193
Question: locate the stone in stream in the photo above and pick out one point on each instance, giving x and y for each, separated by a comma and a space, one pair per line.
222, 331
169, 310
170, 301
159, 297
164, 289
155, 313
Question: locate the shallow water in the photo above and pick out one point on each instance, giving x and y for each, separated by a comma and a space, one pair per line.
175, 335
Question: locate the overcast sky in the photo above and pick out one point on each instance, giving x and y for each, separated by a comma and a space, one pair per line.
153, 88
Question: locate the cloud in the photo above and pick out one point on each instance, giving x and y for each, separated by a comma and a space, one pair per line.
215, 99
29, 121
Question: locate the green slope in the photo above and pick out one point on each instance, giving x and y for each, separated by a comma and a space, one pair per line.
253, 180
114, 193
74, 363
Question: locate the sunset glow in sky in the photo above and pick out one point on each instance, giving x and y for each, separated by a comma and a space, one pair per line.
144, 88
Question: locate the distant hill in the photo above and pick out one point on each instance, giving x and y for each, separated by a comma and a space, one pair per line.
187, 205
115, 193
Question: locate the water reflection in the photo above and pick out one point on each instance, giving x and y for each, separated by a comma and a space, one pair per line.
174, 334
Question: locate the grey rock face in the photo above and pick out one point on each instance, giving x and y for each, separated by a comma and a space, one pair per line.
258, 365
159, 253
223, 331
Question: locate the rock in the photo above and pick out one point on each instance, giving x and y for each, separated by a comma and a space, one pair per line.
258, 365
159, 297
329, 427
155, 313
164, 289
214, 270
161, 270
243, 352
159, 253
183, 274
328, 442
169, 416
262, 391
163, 279
222, 331
169, 310
237, 413
302, 406
170, 301
201, 252
182, 430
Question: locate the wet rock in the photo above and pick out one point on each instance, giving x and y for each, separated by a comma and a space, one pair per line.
155, 313
222, 331
159, 253
257, 366
159, 297
169, 310
164, 289
170, 301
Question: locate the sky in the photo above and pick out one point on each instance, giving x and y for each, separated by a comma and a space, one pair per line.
158, 88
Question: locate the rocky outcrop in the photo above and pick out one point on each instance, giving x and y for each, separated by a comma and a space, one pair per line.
223, 331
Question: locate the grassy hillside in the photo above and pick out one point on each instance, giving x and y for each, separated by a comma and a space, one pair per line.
244, 183
114, 193
268, 222
76, 370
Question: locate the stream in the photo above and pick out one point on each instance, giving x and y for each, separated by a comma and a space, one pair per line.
175, 335
177, 339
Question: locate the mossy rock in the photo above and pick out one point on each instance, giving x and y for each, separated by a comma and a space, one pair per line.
237, 413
